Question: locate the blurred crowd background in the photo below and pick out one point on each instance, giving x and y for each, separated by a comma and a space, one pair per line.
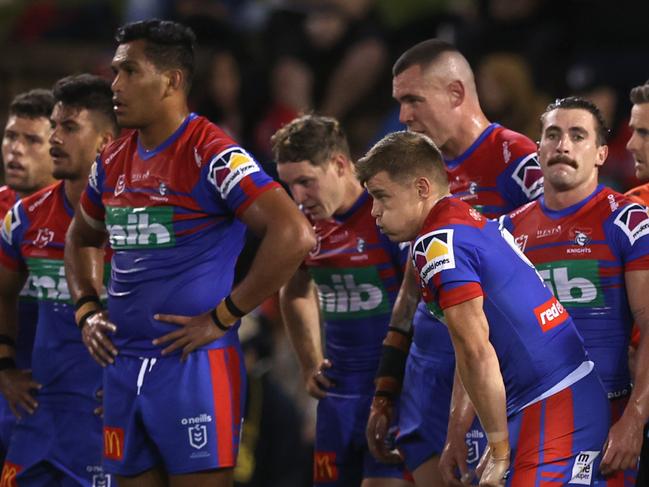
262, 62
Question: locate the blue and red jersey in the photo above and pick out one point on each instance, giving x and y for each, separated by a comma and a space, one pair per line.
582, 253
27, 305
171, 215
460, 255
358, 271
499, 172
33, 239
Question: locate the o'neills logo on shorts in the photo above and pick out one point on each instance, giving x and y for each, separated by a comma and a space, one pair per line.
550, 314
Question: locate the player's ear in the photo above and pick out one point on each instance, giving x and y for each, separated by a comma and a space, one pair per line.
424, 187
175, 79
456, 92
602, 154
341, 163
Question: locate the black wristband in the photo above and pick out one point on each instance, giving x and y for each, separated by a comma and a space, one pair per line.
407, 334
7, 340
232, 308
393, 363
84, 318
7, 363
89, 298
217, 322
388, 394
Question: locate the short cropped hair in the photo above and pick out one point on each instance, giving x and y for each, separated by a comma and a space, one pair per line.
640, 94
169, 45
576, 102
312, 138
90, 92
35, 103
403, 155
422, 54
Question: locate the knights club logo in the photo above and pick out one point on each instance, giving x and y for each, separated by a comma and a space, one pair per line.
43, 237
433, 253
581, 236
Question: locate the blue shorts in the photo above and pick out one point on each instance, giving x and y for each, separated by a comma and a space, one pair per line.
424, 407
55, 447
183, 416
341, 454
7, 424
558, 441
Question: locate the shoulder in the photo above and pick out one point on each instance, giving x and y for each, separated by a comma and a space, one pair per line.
8, 198
117, 147
522, 211
513, 144
33, 202
639, 194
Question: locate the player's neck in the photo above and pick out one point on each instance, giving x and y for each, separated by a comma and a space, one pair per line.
560, 200
353, 191
156, 133
74, 188
472, 126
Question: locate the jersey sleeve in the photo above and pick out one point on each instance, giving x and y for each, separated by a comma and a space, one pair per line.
13, 230
234, 177
630, 233
523, 182
448, 266
91, 202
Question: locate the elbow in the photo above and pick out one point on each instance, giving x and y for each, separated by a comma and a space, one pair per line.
303, 239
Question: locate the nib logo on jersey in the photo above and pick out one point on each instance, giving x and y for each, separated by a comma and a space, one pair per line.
46, 280
197, 432
433, 253
573, 282
350, 293
140, 228
634, 222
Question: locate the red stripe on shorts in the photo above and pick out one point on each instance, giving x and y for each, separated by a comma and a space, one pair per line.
222, 395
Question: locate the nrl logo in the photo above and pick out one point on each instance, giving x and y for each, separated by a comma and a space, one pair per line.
121, 185
197, 436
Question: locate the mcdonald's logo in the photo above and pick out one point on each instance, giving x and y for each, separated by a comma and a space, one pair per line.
113, 443
324, 467
9, 473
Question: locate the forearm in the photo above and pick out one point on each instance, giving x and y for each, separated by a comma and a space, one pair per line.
301, 317
638, 405
282, 249
480, 375
84, 262
462, 412
8, 323
407, 300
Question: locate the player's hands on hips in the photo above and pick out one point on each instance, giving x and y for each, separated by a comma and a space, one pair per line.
624, 442
492, 469
317, 380
453, 460
95, 337
378, 425
16, 386
193, 332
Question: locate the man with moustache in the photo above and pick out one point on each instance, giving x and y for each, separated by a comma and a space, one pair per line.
491, 168
27, 168
591, 246
59, 440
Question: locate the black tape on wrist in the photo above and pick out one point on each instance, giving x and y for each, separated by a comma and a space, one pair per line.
233, 308
217, 321
407, 334
382, 393
7, 363
7, 340
84, 318
392, 364
89, 298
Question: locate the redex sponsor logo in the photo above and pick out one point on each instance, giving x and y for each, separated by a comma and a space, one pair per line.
350, 293
433, 253
550, 314
137, 228
113, 443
